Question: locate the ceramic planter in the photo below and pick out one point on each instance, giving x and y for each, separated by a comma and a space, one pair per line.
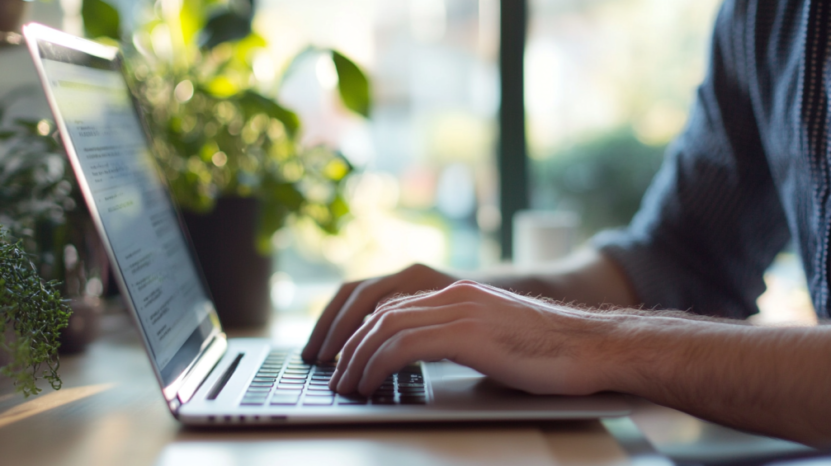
238, 276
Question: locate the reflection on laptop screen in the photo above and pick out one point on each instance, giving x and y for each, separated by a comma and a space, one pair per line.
138, 217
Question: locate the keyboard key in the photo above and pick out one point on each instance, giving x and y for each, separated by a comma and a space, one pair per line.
283, 391
318, 401
288, 380
264, 379
352, 400
320, 393
261, 384
296, 367
284, 400
410, 385
410, 378
259, 389
319, 390
317, 383
293, 377
296, 372
283, 386
252, 401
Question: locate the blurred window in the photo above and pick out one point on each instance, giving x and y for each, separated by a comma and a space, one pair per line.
608, 86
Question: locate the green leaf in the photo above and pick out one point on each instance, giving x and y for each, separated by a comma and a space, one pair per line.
221, 86
101, 19
224, 27
353, 85
191, 20
253, 103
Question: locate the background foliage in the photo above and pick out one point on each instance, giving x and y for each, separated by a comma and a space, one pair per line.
603, 179
215, 132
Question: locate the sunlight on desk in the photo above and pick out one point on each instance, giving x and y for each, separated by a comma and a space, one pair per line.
49, 401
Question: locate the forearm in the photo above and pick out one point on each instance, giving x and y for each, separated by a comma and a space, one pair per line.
585, 278
768, 380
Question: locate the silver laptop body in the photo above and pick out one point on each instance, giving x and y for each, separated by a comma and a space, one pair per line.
205, 377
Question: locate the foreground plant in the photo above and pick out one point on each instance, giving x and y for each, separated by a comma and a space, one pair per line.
32, 314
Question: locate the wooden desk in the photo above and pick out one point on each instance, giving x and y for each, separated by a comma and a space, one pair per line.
110, 412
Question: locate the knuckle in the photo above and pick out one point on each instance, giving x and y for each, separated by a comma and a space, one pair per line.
465, 284
387, 321
417, 268
362, 286
462, 288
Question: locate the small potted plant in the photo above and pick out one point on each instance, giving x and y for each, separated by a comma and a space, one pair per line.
231, 154
32, 315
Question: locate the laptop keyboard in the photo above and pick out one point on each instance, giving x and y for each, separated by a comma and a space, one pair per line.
285, 380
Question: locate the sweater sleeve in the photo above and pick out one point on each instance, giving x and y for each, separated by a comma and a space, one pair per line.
711, 222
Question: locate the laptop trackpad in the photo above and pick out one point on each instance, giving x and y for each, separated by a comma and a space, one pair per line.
458, 387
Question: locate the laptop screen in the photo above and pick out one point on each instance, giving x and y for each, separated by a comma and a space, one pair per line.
112, 160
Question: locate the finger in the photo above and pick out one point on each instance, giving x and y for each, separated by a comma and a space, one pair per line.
353, 343
366, 341
323, 324
360, 303
363, 299
425, 343
425, 299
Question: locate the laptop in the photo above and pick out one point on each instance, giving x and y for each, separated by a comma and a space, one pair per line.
205, 377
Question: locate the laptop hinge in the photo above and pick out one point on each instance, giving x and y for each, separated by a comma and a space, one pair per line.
203, 366
174, 406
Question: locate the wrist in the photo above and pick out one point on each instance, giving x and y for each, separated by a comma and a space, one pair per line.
631, 352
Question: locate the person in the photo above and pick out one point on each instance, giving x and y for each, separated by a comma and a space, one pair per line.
749, 172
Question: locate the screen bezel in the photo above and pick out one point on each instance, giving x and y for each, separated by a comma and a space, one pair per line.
47, 43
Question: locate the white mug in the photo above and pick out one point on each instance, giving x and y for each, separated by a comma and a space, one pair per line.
542, 236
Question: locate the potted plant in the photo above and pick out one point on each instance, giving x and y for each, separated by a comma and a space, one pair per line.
32, 314
232, 154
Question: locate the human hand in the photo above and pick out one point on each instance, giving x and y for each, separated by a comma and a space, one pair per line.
356, 300
521, 342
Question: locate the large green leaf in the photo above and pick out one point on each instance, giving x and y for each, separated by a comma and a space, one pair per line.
224, 27
191, 20
101, 19
353, 85
253, 103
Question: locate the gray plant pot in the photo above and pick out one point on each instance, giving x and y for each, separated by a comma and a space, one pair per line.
238, 276
12, 13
